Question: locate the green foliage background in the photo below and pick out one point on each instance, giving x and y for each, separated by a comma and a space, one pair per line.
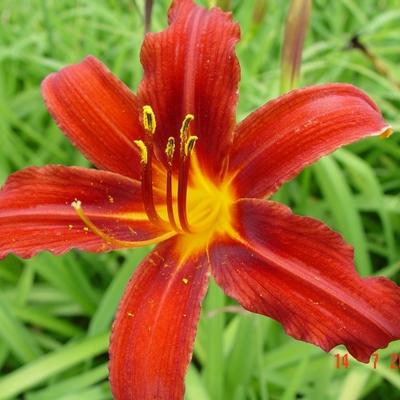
55, 313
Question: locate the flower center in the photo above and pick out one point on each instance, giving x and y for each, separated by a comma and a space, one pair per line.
209, 211
193, 206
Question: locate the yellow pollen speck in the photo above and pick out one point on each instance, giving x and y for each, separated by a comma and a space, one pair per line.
70, 227
130, 314
86, 229
149, 120
388, 132
185, 281
143, 150
110, 199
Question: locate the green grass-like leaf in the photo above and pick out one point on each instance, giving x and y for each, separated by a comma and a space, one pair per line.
56, 312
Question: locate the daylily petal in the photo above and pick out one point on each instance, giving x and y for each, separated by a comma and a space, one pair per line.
191, 68
153, 334
299, 272
277, 141
36, 212
98, 113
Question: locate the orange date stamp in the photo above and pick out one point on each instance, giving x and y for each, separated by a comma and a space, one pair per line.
343, 360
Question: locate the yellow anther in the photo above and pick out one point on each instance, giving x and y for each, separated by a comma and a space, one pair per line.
149, 120
170, 149
185, 281
185, 126
387, 133
189, 146
143, 151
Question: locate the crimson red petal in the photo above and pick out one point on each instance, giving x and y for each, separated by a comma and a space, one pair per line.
36, 212
153, 334
277, 141
191, 68
98, 113
299, 272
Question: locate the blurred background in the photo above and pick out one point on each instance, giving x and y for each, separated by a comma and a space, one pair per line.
56, 312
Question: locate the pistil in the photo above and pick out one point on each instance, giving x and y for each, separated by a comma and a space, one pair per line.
77, 205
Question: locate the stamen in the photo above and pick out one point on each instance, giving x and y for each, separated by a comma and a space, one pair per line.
146, 152
169, 151
187, 145
149, 120
143, 151
182, 193
185, 130
186, 122
77, 205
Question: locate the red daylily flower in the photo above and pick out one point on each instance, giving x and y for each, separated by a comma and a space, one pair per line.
175, 169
